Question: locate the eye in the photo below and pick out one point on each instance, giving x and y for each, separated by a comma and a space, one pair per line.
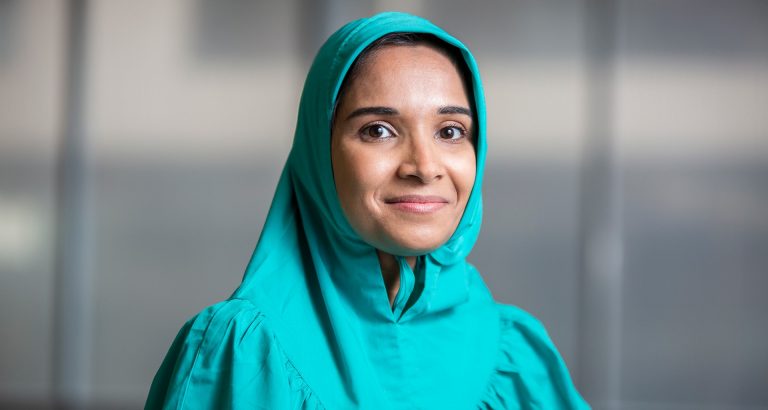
452, 133
376, 132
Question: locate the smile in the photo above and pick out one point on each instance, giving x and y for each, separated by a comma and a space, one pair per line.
419, 204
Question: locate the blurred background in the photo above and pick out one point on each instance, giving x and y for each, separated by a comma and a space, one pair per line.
626, 197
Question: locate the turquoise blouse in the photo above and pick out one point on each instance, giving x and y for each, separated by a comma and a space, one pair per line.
311, 325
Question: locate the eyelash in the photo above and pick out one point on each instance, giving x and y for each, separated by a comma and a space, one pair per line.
363, 133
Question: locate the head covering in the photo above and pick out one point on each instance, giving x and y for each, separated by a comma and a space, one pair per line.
312, 319
306, 193
307, 234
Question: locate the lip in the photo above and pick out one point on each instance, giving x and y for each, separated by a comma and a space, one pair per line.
420, 204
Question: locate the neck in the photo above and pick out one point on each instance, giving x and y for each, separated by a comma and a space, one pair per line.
390, 270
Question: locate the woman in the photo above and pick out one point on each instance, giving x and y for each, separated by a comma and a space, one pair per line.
358, 294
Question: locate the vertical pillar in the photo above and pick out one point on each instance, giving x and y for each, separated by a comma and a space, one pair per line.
72, 296
601, 236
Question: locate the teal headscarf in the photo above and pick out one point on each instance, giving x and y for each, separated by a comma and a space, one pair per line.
311, 325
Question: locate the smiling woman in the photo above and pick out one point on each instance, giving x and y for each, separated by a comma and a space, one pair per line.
402, 152
358, 294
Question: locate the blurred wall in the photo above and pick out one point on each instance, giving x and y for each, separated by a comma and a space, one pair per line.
31, 82
626, 202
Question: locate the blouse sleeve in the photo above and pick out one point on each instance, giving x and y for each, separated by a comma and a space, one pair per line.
530, 374
225, 357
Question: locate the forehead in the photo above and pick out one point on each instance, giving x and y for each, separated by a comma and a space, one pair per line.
394, 72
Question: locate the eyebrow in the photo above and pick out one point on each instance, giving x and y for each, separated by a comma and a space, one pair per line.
373, 110
448, 109
452, 109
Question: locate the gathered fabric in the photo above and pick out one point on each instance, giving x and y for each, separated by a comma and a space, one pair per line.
311, 325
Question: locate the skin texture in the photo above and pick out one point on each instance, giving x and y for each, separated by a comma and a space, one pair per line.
420, 145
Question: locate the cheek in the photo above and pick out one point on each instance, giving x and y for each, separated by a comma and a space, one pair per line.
359, 173
464, 170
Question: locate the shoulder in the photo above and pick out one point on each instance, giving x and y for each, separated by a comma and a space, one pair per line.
515, 320
219, 323
525, 342
530, 373
226, 356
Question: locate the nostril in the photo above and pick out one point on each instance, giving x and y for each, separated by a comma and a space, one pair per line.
420, 161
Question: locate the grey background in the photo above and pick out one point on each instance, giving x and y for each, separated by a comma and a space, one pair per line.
626, 197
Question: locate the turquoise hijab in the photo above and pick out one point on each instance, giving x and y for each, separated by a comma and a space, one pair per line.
311, 326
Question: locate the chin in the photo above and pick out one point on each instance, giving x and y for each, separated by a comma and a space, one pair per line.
416, 243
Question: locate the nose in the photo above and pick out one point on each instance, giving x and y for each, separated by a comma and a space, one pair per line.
421, 159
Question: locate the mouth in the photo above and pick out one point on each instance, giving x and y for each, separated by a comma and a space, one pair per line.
419, 204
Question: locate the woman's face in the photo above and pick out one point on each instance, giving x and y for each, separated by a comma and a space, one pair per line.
402, 151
